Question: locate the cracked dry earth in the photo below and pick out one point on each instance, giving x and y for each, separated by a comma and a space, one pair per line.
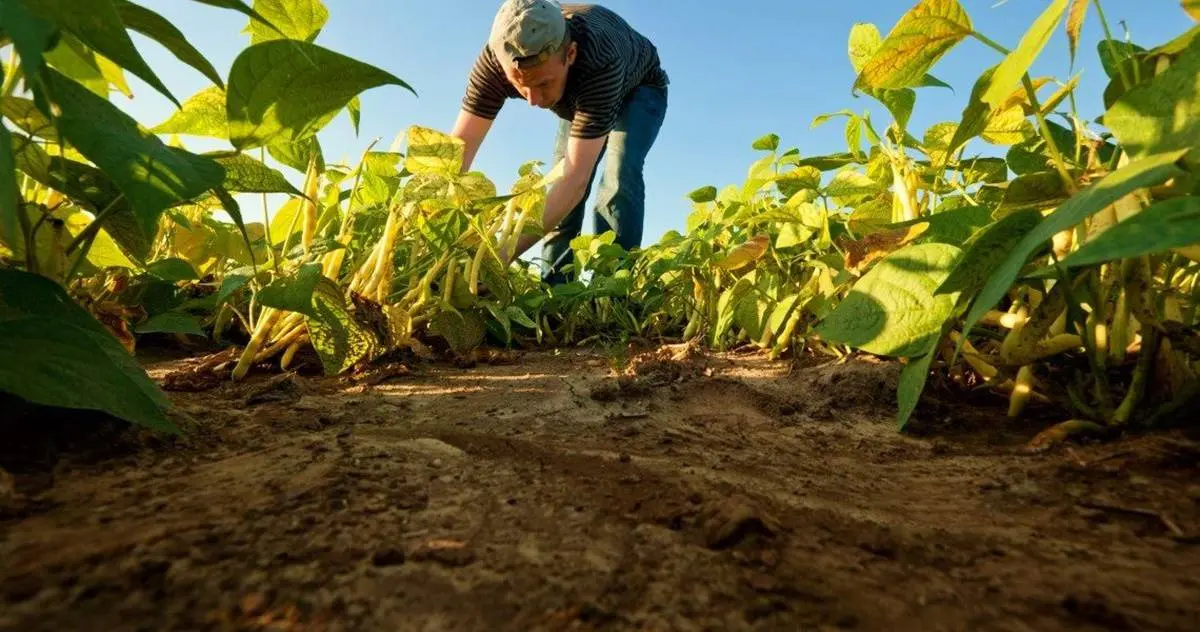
545, 494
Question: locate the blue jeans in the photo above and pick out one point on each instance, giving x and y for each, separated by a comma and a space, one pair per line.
621, 198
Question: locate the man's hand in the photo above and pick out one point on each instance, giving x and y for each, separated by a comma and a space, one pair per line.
471, 129
581, 157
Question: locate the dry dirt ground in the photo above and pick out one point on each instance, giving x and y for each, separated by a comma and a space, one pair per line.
722, 493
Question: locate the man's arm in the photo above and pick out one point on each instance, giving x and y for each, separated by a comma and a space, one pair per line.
581, 157
472, 129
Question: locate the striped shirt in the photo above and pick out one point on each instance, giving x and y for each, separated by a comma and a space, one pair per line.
612, 60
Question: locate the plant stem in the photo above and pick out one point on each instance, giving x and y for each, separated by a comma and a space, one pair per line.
11, 75
1141, 375
262, 154
1059, 164
1108, 39
998, 48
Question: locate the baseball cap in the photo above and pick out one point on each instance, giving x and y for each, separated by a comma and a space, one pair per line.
526, 32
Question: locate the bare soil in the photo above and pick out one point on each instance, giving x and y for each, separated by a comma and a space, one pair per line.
559, 491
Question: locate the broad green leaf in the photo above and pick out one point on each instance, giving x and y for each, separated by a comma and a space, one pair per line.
769, 142
793, 234
295, 293
913, 377
298, 154
1114, 54
828, 163
795, 180
1146, 172
159, 29
986, 250
202, 114
285, 91
1075, 17
431, 151
338, 338
171, 323
975, 115
520, 317
1008, 127
53, 352
937, 142
892, 310
848, 183
244, 174
9, 231
703, 194
101, 29
294, 19
75, 60
151, 175
173, 269
1162, 114
230, 284
463, 331
1173, 223
955, 222
1010, 71
1042, 190
918, 40
27, 117
899, 102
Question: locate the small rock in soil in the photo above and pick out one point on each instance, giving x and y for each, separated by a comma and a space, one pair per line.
446, 552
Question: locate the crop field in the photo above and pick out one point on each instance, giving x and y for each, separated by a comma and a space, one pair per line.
945, 379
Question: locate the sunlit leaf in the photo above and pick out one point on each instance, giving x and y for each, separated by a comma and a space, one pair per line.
1163, 226
1008, 127
744, 254
912, 381
285, 90
1075, 17
918, 40
431, 151
28, 118
892, 310
340, 340
1192, 7
770, 142
294, 19
1039, 191
244, 174
202, 114
703, 194
986, 250
1162, 114
1010, 71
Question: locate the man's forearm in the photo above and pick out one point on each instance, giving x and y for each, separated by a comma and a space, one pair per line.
563, 196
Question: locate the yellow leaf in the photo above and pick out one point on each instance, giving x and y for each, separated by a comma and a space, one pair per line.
746, 253
1075, 17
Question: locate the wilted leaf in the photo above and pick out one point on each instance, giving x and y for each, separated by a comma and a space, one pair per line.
1162, 114
1146, 172
1008, 74
101, 29
1165, 225
56, 354
294, 19
892, 310
161, 30
749, 251
1075, 18
285, 90
918, 40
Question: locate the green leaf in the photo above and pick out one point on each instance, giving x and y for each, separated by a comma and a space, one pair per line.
75, 60
26, 116
850, 183
795, 180
173, 269
828, 163
1162, 114
202, 114
770, 142
1041, 190
293, 19
892, 310
986, 250
354, 108
159, 29
918, 40
865, 40
52, 352
101, 29
286, 91
913, 377
1114, 54
295, 293
975, 115
937, 142
235, 213
230, 284
240, 7
1075, 18
431, 151
463, 331
1146, 172
10, 232
31, 36
151, 175
338, 338
244, 174
171, 323
899, 103
520, 317
1173, 223
1008, 74
298, 154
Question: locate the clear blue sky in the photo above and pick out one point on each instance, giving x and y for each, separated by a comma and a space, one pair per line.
738, 70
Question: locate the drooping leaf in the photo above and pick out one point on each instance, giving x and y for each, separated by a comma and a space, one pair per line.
1075, 18
151, 175
463, 331
295, 19
101, 29
75, 60
52, 352
161, 30
245, 174
1165, 225
899, 102
1162, 114
1146, 172
1008, 74
912, 381
892, 310
975, 114
230, 204
202, 114
338, 338
986, 250
354, 108
918, 40
745, 253
286, 91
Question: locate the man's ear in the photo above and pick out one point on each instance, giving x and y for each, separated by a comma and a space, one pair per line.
572, 49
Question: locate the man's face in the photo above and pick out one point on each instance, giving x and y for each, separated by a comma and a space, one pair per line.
542, 85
